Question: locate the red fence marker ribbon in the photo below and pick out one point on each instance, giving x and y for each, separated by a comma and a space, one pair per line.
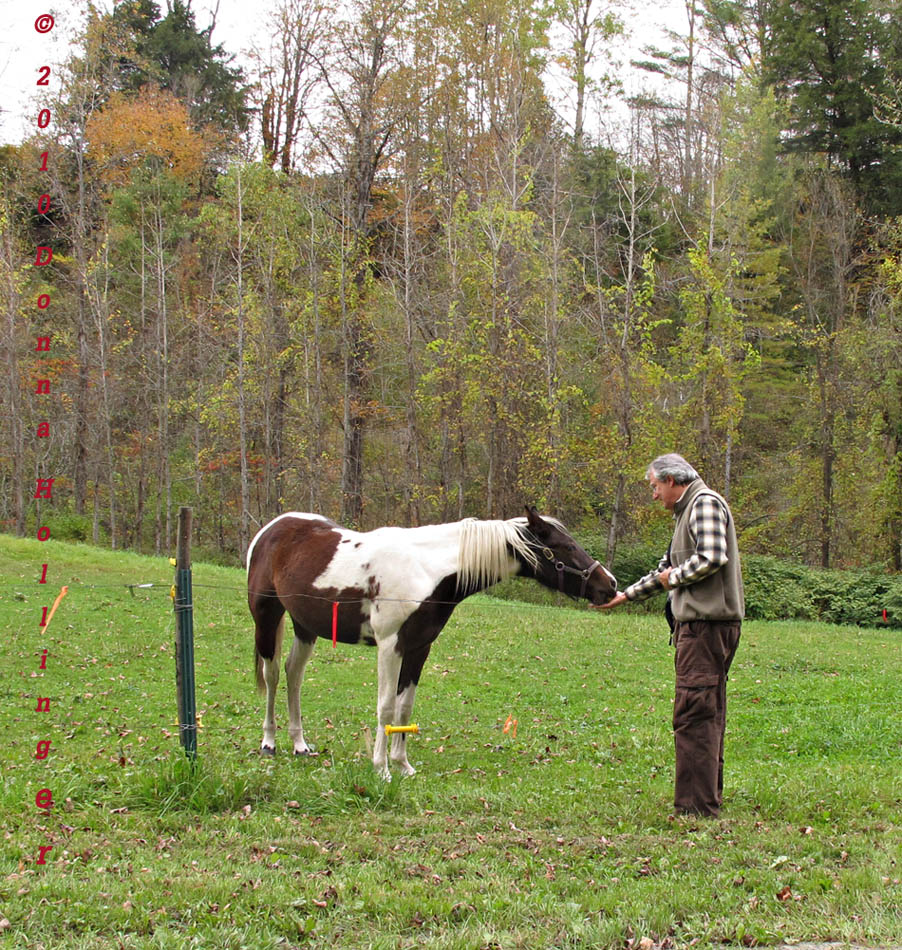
334, 624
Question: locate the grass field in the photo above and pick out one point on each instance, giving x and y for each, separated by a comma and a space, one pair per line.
560, 836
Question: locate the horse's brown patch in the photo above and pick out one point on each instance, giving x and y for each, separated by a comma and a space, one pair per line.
418, 632
287, 559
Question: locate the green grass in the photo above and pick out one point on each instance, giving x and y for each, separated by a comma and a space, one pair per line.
559, 837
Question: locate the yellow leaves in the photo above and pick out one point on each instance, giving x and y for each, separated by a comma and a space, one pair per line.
128, 132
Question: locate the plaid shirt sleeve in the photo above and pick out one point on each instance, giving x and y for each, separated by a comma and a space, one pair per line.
708, 525
649, 585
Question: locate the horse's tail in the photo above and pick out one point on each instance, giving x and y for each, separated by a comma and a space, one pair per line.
276, 656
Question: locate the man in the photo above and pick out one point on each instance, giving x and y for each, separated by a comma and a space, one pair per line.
703, 578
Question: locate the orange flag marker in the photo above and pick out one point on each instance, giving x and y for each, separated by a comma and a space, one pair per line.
56, 603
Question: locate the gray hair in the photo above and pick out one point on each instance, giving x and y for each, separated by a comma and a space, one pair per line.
672, 466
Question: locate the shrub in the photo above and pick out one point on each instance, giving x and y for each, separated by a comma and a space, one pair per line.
66, 526
776, 590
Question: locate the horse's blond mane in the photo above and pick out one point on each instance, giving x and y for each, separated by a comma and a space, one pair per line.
484, 552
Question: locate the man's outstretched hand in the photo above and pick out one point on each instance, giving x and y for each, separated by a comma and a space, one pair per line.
615, 602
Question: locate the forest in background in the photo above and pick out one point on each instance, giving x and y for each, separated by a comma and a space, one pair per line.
382, 276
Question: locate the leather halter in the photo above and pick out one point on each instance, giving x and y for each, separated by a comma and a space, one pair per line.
563, 568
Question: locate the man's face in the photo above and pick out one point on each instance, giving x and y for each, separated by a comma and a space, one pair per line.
665, 490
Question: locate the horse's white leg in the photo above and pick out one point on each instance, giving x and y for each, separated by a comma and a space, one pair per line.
389, 668
269, 617
411, 667
403, 710
298, 656
271, 678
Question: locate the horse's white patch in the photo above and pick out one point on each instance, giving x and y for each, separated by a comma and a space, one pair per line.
407, 564
609, 576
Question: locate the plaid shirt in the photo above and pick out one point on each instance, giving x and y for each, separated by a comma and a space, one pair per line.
708, 526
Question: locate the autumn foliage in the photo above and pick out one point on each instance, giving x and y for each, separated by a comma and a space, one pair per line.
152, 127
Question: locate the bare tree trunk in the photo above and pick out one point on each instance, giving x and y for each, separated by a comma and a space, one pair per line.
243, 519
828, 455
163, 508
353, 419
99, 297
578, 23
9, 263
80, 449
559, 223
313, 371
366, 63
688, 116
287, 78
728, 467
633, 197
614, 524
412, 440
824, 259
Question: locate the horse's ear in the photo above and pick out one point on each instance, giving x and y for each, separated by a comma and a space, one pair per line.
536, 524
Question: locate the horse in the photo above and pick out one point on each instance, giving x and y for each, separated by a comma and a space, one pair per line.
395, 588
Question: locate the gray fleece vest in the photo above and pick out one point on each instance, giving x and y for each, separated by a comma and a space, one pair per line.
719, 596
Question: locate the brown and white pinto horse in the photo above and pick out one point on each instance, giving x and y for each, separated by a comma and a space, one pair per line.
395, 587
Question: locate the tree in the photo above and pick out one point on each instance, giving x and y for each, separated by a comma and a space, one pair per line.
625, 313
12, 286
824, 249
87, 82
151, 126
680, 64
829, 60
584, 27
288, 76
879, 369
364, 105
740, 272
736, 32
172, 53
711, 358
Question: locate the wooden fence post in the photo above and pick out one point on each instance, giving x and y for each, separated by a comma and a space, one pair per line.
184, 638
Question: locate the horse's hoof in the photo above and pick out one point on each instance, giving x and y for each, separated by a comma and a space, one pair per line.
307, 751
267, 750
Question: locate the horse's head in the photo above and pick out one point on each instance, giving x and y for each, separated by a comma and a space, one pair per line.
563, 565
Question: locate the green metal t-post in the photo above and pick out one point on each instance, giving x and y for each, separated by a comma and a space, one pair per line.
184, 638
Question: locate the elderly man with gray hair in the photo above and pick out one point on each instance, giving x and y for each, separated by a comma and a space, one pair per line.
702, 576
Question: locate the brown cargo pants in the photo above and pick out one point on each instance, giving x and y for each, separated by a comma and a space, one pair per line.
704, 652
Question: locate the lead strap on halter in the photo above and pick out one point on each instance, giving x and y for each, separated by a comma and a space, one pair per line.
334, 624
